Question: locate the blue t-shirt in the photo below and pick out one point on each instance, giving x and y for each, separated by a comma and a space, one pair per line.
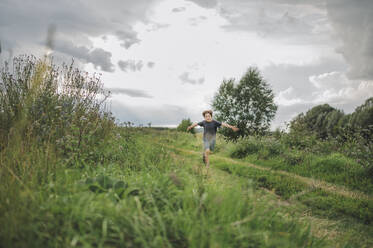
209, 128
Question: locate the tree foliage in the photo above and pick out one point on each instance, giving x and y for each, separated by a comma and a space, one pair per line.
184, 124
248, 104
363, 115
327, 122
321, 120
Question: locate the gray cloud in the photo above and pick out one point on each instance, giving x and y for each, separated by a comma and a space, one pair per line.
205, 3
185, 78
98, 57
353, 24
128, 38
322, 22
286, 21
283, 76
129, 92
24, 25
130, 65
290, 21
150, 64
179, 9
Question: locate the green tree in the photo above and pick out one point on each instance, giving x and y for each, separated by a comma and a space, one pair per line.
247, 104
322, 120
362, 117
182, 127
333, 120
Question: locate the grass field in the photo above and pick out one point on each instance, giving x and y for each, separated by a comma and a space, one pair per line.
150, 189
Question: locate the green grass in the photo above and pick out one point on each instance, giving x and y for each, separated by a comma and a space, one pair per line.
351, 216
332, 167
282, 185
332, 205
139, 199
140, 195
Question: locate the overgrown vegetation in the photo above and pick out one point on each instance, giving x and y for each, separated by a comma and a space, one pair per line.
351, 134
317, 147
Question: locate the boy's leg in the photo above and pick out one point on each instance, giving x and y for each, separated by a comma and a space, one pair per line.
207, 160
209, 150
206, 145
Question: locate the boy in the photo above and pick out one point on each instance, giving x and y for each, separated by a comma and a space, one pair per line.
209, 133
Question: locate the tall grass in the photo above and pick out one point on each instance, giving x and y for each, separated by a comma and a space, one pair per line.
50, 118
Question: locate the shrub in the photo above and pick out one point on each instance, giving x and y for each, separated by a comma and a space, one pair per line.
293, 157
246, 146
359, 148
42, 104
334, 163
185, 123
299, 140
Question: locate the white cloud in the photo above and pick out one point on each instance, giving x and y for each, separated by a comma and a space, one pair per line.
336, 88
287, 98
330, 80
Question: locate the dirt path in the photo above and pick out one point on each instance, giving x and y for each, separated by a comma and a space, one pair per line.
311, 182
336, 232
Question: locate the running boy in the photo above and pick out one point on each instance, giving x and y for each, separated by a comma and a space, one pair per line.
209, 133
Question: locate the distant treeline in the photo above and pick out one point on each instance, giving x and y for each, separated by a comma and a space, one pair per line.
327, 122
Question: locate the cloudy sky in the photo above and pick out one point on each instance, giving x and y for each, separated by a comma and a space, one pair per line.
163, 60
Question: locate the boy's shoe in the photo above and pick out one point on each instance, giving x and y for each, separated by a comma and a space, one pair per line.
204, 158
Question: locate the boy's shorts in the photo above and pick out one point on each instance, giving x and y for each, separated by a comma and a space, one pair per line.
209, 144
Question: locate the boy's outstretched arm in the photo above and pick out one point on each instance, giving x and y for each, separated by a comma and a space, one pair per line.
192, 126
234, 128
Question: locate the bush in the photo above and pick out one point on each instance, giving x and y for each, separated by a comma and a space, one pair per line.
359, 148
293, 157
245, 146
332, 164
185, 123
265, 147
299, 140
43, 105
273, 146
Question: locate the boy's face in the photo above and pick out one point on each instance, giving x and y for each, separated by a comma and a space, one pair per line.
208, 117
